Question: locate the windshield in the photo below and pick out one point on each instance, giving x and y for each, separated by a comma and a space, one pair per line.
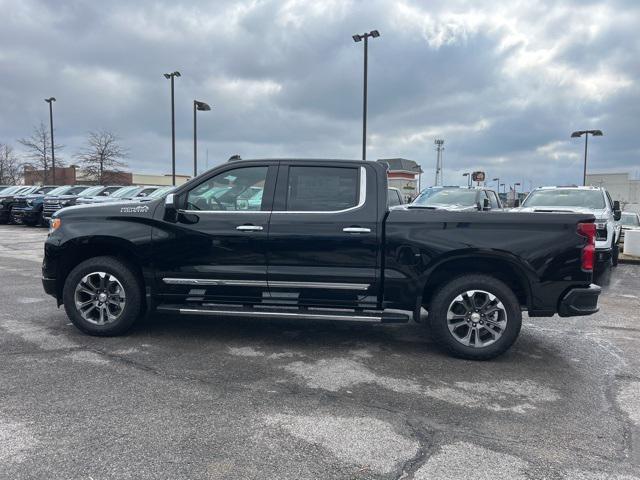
565, 197
161, 192
77, 190
90, 192
630, 220
449, 196
58, 190
13, 189
125, 192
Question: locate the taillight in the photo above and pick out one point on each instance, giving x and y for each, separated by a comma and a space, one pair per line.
589, 250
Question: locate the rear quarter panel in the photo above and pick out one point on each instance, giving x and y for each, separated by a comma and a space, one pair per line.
544, 248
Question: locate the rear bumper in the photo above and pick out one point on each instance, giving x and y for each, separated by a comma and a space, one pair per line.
603, 256
580, 301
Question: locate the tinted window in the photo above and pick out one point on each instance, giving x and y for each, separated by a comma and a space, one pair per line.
322, 189
237, 189
394, 198
565, 197
630, 220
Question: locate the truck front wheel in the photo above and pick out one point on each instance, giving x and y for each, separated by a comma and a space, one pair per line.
102, 296
476, 317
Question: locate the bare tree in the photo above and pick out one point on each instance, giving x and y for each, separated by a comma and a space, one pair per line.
38, 146
10, 167
102, 157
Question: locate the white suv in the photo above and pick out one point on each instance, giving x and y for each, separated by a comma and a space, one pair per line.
594, 200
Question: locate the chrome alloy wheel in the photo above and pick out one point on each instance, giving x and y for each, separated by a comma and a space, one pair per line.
100, 298
476, 318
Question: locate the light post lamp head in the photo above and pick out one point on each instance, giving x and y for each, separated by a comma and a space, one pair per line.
495, 180
172, 74
579, 133
371, 34
50, 99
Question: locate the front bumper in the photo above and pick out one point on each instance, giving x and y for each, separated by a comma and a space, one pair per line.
580, 301
21, 214
50, 286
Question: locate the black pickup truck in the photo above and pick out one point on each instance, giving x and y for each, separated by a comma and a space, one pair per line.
316, 239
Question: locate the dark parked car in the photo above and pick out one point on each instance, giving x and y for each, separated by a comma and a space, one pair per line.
70, 196
335, 252
458, 199
8, 198
27, 209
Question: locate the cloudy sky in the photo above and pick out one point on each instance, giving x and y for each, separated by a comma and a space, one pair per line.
504, 83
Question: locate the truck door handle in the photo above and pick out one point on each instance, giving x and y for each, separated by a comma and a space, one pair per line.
249, 228
356, 230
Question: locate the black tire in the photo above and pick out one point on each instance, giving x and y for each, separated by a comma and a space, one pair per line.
615, 254
30, 223
445, 297
130, 284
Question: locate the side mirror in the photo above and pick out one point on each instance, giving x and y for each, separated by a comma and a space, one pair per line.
516, 203
485, 204
617, 213
169, 201
107, 194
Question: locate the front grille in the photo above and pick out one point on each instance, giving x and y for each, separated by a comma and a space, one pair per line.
50, 208
20, 204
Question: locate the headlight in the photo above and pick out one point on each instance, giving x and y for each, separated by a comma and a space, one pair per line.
29, 203
54, 224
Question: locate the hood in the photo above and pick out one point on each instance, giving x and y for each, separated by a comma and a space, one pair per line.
109, 209
99, 199
598, 213
59, 197
444, 206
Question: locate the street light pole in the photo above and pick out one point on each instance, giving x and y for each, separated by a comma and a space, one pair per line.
358, 38
203, 107
468, 175
578, 134
50, 101
171, 76
497, 180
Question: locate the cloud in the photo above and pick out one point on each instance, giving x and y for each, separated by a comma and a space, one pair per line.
504, 83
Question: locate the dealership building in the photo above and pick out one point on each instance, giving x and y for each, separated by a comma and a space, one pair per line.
404, 175
620, 186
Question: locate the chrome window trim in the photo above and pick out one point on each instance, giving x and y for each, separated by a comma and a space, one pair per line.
263, 283
362, 196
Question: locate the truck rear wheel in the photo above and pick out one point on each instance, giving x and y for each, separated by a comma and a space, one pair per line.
476, 317
102, 296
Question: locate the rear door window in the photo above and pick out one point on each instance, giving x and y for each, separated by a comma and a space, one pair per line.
322, 189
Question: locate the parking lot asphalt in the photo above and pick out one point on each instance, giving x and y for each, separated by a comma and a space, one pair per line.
243, 399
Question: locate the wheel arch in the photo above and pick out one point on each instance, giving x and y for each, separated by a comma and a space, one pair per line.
80, 249
501, 266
